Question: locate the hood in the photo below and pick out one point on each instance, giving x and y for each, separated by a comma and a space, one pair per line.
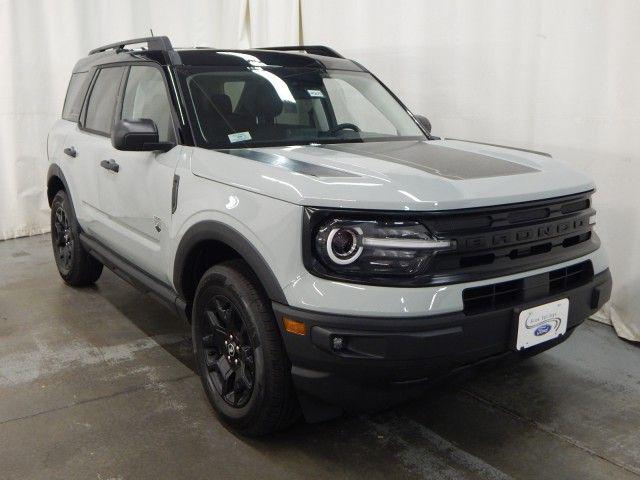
395, 175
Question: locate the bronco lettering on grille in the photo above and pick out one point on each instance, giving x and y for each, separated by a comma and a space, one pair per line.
522, 235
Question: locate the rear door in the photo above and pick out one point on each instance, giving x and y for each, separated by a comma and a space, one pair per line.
91, 143
63, 138
137, 198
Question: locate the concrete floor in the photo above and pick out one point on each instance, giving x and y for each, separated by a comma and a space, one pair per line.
99, 383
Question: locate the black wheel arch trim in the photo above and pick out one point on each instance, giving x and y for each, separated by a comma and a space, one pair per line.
211, 230
56, 171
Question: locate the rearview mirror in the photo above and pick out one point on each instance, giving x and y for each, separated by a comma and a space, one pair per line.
139, 135
424, 122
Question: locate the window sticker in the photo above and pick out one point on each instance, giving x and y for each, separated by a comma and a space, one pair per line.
315, 93
239, 137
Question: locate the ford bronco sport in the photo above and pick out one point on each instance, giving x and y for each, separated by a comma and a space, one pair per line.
329, 252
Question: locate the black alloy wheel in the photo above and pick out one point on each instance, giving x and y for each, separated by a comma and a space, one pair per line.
63, 240
229, 351
239, 352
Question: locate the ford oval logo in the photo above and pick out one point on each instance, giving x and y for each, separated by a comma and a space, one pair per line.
542, 329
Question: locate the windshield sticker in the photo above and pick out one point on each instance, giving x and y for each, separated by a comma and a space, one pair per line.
315, 93
239, 137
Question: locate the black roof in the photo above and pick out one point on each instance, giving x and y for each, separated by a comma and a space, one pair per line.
160, 50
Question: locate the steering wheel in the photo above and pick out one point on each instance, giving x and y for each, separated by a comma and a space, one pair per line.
342, 126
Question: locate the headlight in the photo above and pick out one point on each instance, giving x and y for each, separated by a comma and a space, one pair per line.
363, 249
343, 244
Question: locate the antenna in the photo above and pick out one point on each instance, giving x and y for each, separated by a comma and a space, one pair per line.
151, 30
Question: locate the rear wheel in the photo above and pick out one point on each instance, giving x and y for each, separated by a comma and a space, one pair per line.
239, 352
75, 265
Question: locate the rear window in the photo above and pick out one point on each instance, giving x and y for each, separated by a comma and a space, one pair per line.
75, 95
102, 100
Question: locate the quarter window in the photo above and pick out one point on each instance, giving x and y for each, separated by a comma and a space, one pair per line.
102, 102
75, 95
146, 97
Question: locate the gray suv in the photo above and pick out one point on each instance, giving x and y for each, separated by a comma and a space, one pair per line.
330, 253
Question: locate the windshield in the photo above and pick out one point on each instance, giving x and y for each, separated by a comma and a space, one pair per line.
291, 106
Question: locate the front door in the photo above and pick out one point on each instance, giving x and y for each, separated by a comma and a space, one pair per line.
137, 197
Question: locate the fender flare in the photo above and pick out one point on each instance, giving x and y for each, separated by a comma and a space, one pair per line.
56, 171
217, 231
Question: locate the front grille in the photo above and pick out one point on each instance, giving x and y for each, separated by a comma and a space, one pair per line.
506, 294
570, 277
511, 238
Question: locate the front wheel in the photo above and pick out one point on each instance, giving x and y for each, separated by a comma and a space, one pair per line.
239, 352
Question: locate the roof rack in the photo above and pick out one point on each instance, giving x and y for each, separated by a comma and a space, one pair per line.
312, 49
153, 43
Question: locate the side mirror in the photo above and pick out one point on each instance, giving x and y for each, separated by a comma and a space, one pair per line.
424, 122
139, 135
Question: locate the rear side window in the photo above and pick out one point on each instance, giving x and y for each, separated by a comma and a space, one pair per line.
102, 100
75, 95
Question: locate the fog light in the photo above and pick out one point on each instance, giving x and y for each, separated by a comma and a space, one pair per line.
592, 220
338, 343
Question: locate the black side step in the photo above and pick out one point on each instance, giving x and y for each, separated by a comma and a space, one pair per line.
136, 277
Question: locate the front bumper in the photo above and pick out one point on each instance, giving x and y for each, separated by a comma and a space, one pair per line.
386, 360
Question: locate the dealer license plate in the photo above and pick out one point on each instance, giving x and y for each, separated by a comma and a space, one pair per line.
542, 323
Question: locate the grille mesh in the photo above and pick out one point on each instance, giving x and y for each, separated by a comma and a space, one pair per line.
506, 294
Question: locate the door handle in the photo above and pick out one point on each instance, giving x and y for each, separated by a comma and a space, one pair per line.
71, 151
110, 164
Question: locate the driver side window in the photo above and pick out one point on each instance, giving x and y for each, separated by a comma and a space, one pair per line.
146, 97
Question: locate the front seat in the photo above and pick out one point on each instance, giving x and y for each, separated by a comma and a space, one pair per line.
261, 102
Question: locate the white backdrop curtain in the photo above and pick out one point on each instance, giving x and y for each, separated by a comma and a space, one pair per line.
557, 76
40, 41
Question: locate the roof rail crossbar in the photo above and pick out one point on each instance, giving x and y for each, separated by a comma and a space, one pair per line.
312, 49
153, 43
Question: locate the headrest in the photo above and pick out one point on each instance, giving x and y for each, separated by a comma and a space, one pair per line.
264, 103
222, 102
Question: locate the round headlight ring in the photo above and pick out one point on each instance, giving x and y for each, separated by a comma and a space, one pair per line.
343, 247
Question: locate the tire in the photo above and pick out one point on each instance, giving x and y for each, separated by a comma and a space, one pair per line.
239, 352
76, 267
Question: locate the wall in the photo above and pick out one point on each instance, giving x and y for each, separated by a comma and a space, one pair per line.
40, 41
